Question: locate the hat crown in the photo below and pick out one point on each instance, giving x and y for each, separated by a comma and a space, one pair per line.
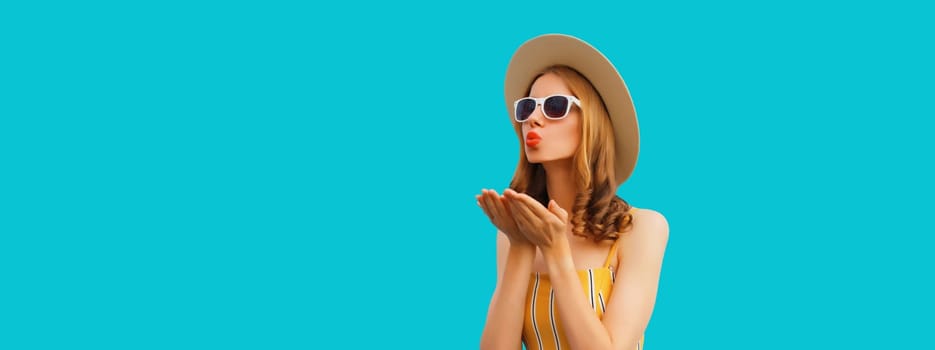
542, 52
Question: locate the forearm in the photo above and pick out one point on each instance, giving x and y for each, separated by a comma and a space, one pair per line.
580, 324
504, 326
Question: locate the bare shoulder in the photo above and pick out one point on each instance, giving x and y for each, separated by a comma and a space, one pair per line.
648, 222
648, 235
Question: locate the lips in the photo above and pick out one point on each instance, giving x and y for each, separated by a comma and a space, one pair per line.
532, 139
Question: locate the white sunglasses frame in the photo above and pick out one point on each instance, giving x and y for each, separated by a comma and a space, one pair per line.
541, 101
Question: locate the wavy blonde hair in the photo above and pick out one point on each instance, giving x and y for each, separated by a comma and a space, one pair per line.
598, 213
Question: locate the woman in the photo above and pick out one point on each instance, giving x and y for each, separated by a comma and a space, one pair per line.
577, 267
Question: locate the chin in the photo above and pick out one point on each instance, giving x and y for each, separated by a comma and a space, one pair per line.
536, 159
539, 157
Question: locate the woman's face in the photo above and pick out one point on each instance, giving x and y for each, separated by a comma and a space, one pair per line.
558, 139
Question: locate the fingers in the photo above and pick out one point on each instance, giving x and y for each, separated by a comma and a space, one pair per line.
514, 208
529, 203
521, 213
483, 205
503, 207
495, 204
558, 211
522, 221
492, 204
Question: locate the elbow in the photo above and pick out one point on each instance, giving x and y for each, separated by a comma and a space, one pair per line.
627, 344
485, 343
488, 342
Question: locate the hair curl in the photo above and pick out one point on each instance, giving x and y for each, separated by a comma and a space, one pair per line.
597, 213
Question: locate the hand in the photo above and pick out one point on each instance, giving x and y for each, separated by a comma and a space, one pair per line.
542, 226
494, 205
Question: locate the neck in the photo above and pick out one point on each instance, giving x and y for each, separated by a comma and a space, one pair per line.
560, 183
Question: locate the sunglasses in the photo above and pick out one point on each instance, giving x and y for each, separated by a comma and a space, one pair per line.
553, 107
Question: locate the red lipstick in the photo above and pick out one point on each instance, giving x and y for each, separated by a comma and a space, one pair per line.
532, 139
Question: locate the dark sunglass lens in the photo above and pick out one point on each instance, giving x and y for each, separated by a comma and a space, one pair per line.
555, 106
524, 109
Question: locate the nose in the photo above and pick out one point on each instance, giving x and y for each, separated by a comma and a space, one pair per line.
536, 118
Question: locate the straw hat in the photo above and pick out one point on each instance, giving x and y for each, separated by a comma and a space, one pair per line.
557, 49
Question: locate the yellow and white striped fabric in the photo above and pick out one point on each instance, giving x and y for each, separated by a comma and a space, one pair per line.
542, 330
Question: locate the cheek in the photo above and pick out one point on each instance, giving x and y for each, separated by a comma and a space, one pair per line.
571, 134
572, 142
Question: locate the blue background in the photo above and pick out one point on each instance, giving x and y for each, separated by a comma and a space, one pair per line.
278, 175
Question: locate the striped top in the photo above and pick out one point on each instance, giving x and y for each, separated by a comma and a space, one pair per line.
541, 328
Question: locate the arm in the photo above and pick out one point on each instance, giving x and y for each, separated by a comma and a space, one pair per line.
634, 295
504, 326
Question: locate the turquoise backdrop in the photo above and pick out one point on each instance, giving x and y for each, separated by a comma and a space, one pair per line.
300, 175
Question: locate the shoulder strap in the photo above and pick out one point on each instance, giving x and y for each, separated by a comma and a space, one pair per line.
613, 248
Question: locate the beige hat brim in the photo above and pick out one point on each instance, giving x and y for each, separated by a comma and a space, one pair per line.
548, 50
